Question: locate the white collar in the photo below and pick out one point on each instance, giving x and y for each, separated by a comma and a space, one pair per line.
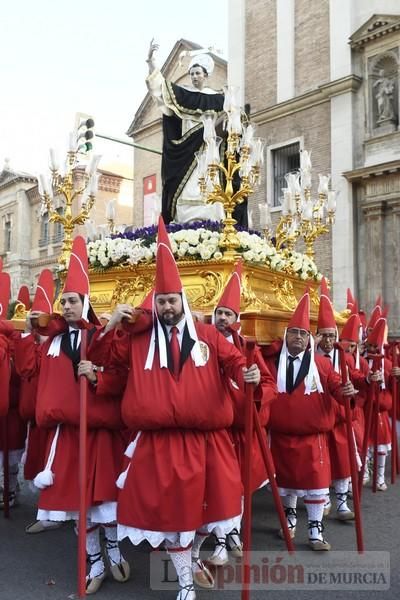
180, 326
299, 356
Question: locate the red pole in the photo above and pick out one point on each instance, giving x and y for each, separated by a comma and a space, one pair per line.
394, 457
6, 469
248, 432
352, 452
82, 475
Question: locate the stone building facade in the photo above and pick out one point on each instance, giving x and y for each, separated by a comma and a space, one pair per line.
323, 75
28, 242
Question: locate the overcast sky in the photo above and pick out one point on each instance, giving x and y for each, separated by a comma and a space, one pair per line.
59, 57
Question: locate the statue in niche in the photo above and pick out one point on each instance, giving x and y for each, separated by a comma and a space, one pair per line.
384, 94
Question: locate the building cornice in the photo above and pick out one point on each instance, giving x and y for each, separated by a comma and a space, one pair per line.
387, 168
377, 26
321, 94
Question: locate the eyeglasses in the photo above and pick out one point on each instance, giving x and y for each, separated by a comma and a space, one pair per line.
298, 332
328, 336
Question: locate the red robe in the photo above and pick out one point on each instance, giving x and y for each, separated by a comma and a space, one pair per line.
5, 374
338, 445
299, 426
265, 394
184, 472
12, 424
27, 365
58, 402
385, 405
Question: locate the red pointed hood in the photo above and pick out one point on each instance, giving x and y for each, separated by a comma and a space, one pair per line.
375, 315
147, 303
24, 297
326, 318
350, 300
77, 277
5, 287
351, 329
44, 295
301, 315
167, 274
377, 336
230, 297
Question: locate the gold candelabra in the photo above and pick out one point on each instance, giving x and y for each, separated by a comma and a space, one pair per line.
64, 185
244, 155
303, 216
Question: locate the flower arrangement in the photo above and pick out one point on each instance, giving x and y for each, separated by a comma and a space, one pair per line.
196, 241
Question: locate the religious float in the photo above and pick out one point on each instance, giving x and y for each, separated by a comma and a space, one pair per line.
122, 266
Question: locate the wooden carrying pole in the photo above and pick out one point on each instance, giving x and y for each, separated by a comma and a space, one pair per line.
395, 386
248, 431
82, 474
352, 451
6, 469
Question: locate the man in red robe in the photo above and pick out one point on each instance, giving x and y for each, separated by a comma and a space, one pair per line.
227, 320
12, 428
380, 433
183, 479
327, 335
300, 419
58, 409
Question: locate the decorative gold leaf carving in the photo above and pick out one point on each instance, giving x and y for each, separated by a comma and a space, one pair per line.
284, 293
131, 291
249, 298
205, 294
19, 311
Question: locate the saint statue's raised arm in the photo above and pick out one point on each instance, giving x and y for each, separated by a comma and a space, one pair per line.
183, 108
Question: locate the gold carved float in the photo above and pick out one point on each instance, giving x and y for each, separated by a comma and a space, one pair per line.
268, 297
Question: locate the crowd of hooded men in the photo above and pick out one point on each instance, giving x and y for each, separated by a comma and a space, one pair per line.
166, 403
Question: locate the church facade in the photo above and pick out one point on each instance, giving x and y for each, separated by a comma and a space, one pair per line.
323, 75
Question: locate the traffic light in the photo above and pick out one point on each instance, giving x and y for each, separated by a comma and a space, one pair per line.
85, 135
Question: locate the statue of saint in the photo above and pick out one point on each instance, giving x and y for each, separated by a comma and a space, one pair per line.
384, 94
183, 108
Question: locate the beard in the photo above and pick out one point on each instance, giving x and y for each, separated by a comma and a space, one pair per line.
170, 318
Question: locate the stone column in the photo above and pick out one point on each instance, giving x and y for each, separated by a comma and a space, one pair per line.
374, 253
392, 265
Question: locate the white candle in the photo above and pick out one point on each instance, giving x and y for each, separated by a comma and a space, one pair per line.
53, 160
305, 160
332, 195
234, 122
93, 184
110, 210
265, 215
248, 135
93, 164
72, 142
209, 128
323, 186
308, 211
44, 187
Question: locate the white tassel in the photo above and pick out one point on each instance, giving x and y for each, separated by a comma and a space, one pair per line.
45, 478
132, 446
120, 483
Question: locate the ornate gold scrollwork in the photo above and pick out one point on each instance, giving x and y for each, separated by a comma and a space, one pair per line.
249, 298
205, 295
314, 296
20, 311
284, 293
131, 291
